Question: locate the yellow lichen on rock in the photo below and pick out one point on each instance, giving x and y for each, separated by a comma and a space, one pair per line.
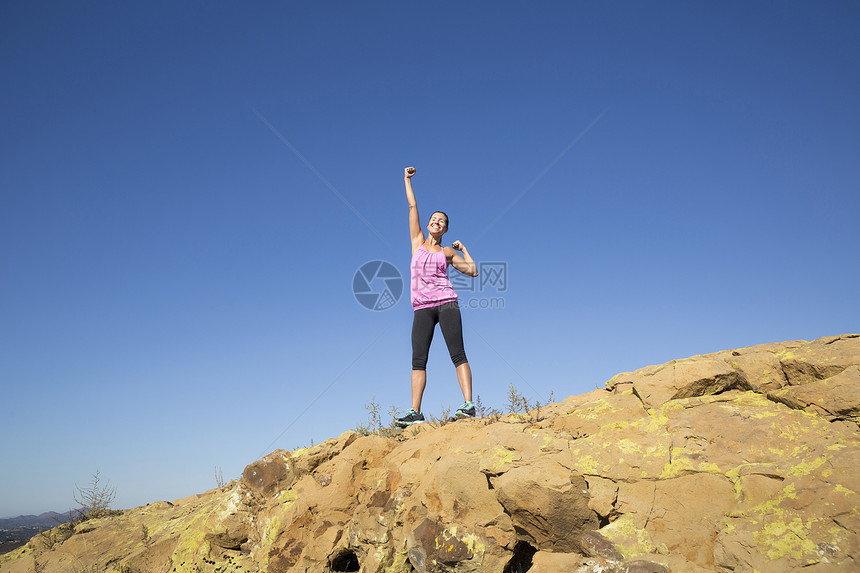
629, 539
192, 545
680, 466
787, 538
287, 497
501, 457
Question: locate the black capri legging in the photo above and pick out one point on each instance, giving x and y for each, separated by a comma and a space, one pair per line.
423, 325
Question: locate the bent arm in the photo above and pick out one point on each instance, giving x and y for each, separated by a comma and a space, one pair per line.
464, 264
416, 235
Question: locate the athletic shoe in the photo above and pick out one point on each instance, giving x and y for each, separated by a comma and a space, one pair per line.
411, 417
467, 410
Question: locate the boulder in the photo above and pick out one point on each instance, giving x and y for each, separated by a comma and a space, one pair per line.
271, 474
834, 398
548, 505
697, 376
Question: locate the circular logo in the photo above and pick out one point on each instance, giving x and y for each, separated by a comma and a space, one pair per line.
377, 285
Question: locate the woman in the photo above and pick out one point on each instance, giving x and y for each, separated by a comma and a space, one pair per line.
435, 301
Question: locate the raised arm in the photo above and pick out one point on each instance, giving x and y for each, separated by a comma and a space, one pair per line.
415, 232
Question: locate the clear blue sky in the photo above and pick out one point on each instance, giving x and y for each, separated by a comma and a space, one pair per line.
187, 190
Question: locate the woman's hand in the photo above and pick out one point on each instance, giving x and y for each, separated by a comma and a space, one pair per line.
458, 246
408, 172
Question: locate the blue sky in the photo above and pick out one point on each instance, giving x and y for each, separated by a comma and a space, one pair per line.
187, 190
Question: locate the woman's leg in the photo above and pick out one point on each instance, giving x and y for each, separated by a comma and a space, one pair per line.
464, 377
419, 382
423, 324
451, 324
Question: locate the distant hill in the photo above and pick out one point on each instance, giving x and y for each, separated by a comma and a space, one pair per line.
45, 520
16, 531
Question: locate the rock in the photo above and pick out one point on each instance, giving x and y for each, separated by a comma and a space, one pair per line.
279, 470
86, 527
271, 474
819, 360
603, 496
834, 398
740, 460
306, 460
434, 547
228, 526
698, 376
545, 562
641, 566
761, 369
548, 505
593, 544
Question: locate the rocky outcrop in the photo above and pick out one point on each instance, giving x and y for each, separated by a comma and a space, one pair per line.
741, 460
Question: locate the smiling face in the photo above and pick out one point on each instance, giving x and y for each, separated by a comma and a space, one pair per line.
438, 224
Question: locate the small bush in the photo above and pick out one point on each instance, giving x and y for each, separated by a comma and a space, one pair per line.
445, 417
362, 429
95, 500
374, 421
519, 404
482, 411
373, 414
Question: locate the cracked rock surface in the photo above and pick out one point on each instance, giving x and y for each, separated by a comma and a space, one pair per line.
740, 460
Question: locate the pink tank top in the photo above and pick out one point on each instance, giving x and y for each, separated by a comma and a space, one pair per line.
430, 284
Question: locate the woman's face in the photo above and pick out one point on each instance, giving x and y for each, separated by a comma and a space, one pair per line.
438, 223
